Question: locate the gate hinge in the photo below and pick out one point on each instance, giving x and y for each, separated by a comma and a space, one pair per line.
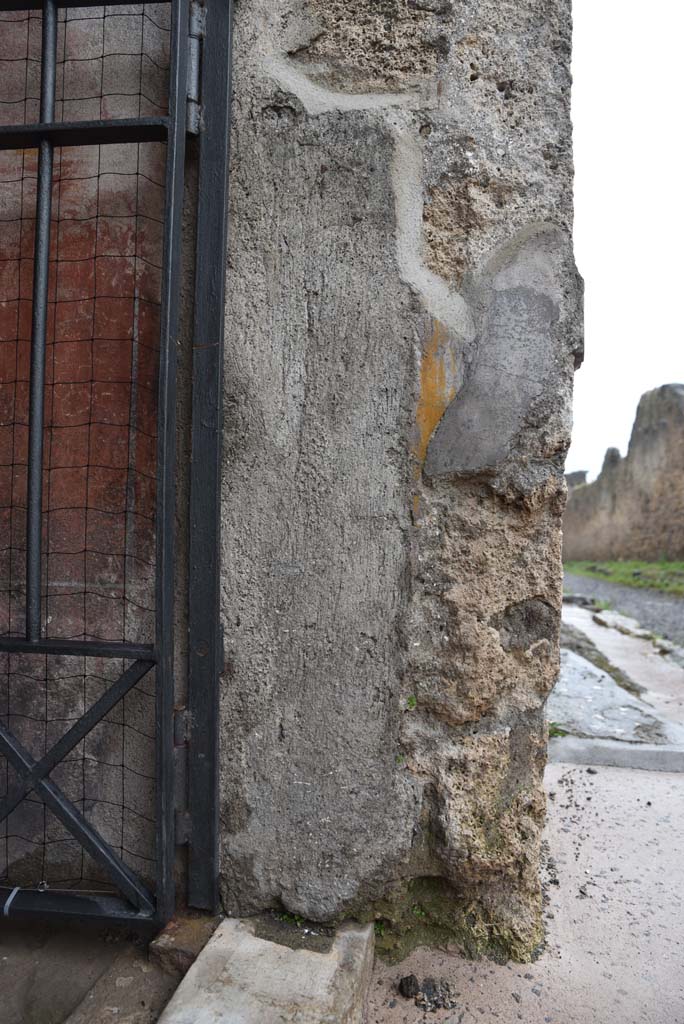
183, 828
180, 753
198, 19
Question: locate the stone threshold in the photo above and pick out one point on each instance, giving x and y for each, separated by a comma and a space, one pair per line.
241, 978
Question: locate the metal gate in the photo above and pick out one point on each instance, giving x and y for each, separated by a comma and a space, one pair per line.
102, 773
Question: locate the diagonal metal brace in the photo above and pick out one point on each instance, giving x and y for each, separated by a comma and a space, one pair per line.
73, 737
63, 809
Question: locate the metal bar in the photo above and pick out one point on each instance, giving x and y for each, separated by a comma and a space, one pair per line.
79, 648
131, 887
84, 133
73, 737
37, 5
196, 35
39, 903
166, 457
205, 653
41, 269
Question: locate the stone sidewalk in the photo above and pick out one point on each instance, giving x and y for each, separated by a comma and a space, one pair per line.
614, 891
614, 850
620, 695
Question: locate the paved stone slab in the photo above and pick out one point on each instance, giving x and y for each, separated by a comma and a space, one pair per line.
587, 702
663, 613
623, 623
660, 674
242, 979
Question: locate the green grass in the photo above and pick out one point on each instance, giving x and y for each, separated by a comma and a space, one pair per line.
666, 576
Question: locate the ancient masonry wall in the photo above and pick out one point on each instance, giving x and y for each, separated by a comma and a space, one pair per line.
635, 509
403, 326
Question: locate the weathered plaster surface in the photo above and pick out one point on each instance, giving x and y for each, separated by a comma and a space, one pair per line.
388, 45
403, 328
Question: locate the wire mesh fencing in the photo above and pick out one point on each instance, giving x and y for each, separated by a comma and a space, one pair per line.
99, 437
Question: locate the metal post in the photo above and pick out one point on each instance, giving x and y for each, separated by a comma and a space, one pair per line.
41, 268
206, 649
166, 458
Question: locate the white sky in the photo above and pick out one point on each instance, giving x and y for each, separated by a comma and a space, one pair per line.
629, 212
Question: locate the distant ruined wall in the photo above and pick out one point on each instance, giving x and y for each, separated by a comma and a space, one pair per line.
576, 479
635, 509
404, 322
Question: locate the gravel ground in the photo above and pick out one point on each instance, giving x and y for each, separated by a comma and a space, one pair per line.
661, 613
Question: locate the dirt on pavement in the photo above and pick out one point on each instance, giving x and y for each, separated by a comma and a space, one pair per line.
614, 917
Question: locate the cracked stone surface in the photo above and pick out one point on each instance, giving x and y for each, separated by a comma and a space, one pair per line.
587, 702
637, 656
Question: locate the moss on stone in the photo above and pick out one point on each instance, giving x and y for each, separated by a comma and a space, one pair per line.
430, 912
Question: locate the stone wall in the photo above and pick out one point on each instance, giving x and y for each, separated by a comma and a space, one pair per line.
404, 321
575, 479
635, 509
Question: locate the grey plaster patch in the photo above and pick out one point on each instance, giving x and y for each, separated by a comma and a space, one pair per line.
517, 352
318, 99
316, 510
441, 300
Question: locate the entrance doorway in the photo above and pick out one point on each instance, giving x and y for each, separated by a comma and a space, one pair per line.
98, 763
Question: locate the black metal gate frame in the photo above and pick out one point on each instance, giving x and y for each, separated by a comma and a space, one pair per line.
137, 904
